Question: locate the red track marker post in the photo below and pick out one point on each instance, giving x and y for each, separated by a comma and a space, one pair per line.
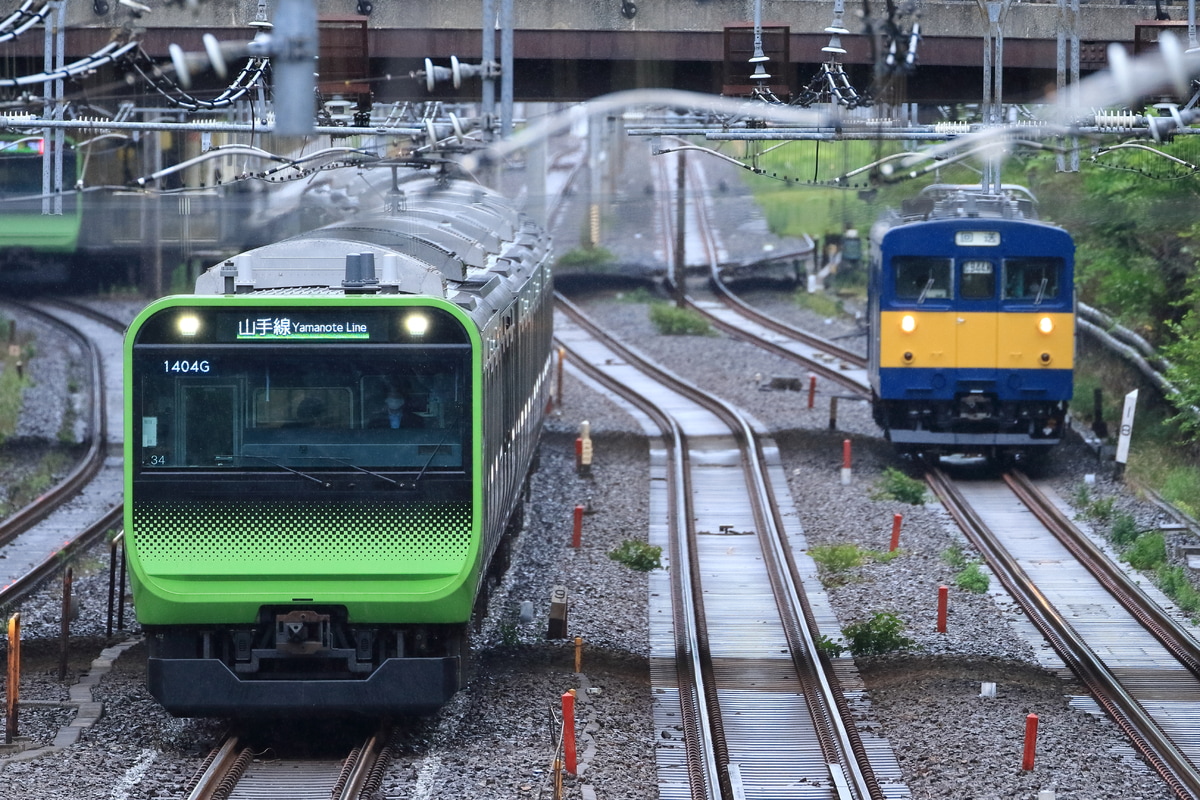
943, 602
896, 520
1031, 726
577, 533
12, 696
812, 390
568, 717
846, 462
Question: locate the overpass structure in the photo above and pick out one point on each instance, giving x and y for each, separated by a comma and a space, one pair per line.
575, 49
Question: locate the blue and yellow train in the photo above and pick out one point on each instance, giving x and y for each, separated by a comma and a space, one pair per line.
973, 327
325, 455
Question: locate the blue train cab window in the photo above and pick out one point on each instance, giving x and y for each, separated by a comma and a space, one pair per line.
922, 278
978, 280
1032, 279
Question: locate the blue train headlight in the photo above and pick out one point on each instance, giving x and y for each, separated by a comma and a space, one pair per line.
1046, 325
908, 323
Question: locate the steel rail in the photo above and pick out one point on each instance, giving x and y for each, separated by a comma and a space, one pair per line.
358, 775
83, 472
705, 768
827, 707
839, 741
1149, 613
1162, 755
745, 310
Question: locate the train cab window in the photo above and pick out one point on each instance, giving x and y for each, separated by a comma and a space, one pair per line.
922, 278
978, 281
1033, 279
305, 409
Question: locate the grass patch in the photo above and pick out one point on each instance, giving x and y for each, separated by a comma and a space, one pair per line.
673, 321
972, 579
638, 555
837, 559
14, 377
818, 303
641, 295
587, 258
1174, 583
955, 557
1148, 552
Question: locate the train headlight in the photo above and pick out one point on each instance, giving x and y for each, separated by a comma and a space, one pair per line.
189, 325
908, 323
416, 325
1046, 325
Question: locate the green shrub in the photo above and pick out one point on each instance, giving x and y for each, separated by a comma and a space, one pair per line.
1124, 530
638, 555
895, 485
673, 321
1148, 552
882, 633
972, 579
829, 647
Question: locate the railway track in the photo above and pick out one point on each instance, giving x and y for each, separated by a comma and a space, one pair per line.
38, 539
238, 770
1139, 663
737, 668
730, 314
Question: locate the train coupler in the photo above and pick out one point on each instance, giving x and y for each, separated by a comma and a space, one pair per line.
302, 633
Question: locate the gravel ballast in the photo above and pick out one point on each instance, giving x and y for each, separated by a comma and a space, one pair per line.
495, 739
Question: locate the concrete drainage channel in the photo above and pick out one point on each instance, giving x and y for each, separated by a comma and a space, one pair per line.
89, 710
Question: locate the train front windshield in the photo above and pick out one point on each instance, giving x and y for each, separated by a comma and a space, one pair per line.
388, 408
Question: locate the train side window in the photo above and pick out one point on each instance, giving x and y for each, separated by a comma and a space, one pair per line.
1035, 278
922, 277
978, 280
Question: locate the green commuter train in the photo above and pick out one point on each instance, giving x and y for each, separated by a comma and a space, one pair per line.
326, 450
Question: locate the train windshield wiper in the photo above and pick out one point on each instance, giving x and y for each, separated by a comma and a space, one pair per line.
1041, 292
429, 460
925, 291
359, 469
274, 463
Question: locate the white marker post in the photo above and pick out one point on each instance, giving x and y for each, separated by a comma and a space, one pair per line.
1126, 429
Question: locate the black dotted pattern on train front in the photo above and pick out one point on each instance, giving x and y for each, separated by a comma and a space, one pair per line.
309, 531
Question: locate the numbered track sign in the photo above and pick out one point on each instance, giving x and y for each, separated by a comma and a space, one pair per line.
1126, 426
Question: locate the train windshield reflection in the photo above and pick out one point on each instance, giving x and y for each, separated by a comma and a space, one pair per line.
302, 410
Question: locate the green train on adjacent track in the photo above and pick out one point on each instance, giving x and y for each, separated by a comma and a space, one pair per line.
326, 451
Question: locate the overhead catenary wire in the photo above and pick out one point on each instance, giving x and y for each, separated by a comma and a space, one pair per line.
24, 18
